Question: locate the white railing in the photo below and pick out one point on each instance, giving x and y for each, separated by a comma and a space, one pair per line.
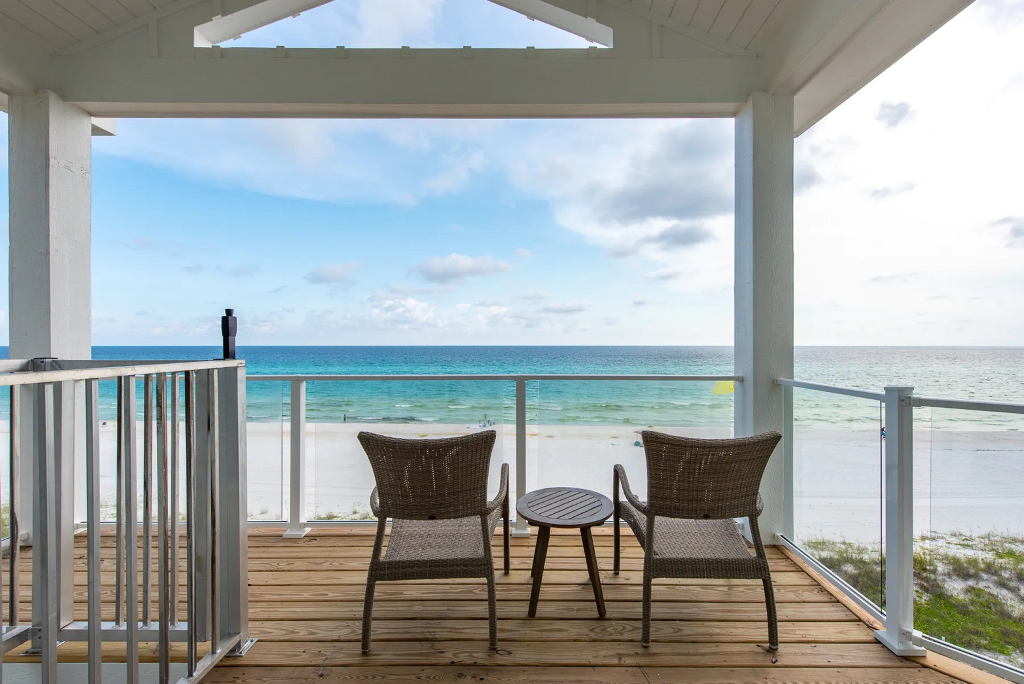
55, 428
899, 633
297, 523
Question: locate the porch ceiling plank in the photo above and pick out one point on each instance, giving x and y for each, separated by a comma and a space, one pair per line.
752, 21
684, 9
663, 6
92, 17
498, 83
35, 23
730, 15
682, 28
113, 10
60, 16
771, 27
707, 12
23, 63
137, 7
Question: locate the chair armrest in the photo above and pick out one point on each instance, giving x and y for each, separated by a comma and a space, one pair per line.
502, 494
623, 481
375, 503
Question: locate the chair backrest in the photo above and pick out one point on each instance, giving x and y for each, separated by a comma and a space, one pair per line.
705, 478
430, 479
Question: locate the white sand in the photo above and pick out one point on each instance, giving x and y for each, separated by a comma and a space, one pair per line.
967, 481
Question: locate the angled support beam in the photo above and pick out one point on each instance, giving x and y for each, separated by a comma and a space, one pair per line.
263, 14
584, 27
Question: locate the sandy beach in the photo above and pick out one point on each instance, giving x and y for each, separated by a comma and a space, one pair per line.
965, 481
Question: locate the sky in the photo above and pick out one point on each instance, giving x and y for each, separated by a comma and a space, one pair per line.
909, 212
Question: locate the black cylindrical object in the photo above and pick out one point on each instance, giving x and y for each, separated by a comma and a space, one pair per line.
228, 329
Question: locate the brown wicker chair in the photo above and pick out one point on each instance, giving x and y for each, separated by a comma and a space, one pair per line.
435, 492
695, 487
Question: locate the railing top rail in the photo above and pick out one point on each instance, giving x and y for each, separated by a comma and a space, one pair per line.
114, 371
968, 405
847, 391
509, 376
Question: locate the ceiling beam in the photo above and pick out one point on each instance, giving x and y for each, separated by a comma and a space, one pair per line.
584, 27
255, 82
233, 25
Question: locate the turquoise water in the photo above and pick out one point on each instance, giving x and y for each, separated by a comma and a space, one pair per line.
961, 372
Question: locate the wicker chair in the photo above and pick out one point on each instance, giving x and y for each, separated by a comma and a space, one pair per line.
435, 492
695, 488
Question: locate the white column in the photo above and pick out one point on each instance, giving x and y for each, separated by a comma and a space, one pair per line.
50, 243
764, 280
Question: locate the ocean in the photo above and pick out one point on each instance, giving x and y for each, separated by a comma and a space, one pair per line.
993, 373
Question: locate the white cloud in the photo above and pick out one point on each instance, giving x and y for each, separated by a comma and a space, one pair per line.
333, 274
456, 267
566, 308
523, 253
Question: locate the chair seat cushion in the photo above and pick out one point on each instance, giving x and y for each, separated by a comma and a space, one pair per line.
439, 541
687, 548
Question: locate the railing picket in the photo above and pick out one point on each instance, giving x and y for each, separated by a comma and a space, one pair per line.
131, 535
13, 503
190, 516
164, 643
147, 498
213, 454
119, 533
45, 573
92, 521
175, 436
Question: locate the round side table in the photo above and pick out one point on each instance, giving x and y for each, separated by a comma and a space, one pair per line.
566, 507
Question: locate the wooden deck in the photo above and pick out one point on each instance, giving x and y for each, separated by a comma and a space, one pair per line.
306, 602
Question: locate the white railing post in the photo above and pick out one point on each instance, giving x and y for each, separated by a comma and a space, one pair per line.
297, 468
898, 634
522, 528
788, 504
232, 527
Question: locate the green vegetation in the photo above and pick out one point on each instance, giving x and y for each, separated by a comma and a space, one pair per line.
355, 514
969, 589
5, 511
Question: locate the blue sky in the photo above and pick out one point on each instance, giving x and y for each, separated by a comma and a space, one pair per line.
909, 215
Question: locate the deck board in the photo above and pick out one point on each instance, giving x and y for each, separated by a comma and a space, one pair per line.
306, 605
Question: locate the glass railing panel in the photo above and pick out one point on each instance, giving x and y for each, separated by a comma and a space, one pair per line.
267, 416
838, 447
969, 530
339, 476
582, 428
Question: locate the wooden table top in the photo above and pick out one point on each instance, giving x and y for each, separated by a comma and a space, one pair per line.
565, 507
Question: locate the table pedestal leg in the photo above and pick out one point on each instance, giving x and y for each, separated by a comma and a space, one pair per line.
595, 576
539, 556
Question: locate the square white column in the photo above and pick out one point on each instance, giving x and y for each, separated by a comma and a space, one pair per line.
764, 279
50, 169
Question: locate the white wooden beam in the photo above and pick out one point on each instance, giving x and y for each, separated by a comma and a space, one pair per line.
233, 25
430, 83
584, 27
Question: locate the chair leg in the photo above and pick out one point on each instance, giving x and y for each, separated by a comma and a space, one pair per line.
368, 614
505, 531
645, 630
615, 523
773, 620
492, 612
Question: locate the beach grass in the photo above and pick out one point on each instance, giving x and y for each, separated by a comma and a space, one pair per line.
969, 590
